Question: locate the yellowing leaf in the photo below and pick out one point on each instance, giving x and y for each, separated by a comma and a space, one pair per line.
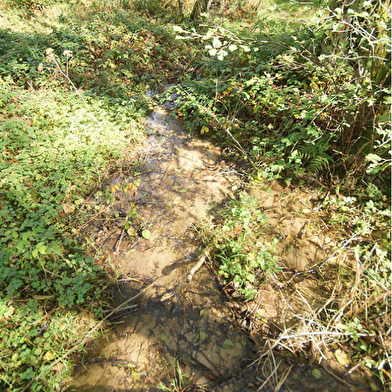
68, 208
40, 297
146, 234
204, 129
342, 357
166, 296
290, 238
115, 188
49, 356
316, 373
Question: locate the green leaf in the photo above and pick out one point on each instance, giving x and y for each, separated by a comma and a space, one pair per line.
146, 234
228, 344
316, 373
28, 374
202, 336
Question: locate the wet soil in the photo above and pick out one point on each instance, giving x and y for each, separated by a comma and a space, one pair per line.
173, 331
173, 321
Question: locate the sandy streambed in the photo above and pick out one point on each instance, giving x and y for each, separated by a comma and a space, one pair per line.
174, 326
188, 335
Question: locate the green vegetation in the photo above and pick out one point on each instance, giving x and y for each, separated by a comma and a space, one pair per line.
179, 383
244, 257
73, 81
307, 103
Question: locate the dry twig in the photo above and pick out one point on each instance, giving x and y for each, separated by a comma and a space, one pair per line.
197, 266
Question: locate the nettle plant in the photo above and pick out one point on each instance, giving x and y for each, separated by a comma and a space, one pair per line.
241, 254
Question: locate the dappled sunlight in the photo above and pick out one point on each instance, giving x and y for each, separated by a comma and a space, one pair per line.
205, 185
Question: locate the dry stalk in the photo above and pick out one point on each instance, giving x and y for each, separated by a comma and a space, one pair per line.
270, 371
65, 74
197, 266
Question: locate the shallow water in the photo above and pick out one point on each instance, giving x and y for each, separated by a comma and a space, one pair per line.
175, 322
172, 327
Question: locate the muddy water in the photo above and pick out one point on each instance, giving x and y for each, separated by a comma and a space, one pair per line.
172, 326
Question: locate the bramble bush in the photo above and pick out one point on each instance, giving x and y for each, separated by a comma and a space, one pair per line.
315, 101
310, 106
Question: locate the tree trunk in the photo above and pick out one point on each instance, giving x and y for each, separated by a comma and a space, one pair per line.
200, 7
181, 8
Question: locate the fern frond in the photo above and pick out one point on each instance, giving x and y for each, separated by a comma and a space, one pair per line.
319, 163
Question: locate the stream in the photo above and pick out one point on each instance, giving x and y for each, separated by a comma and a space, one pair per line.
174, 334
173, 326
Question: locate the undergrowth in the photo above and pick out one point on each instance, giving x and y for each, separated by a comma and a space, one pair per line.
307, 104
245, 260
73, 94
303, 102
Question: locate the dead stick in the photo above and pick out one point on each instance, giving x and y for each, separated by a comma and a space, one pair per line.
197, 266
121, 309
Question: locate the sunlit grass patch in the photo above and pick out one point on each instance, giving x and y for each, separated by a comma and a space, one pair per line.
34, 344
55, 149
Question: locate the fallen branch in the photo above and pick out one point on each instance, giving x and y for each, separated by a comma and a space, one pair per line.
120, 309
197, 266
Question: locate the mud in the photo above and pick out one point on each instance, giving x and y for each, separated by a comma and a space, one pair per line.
175, 323
189, 335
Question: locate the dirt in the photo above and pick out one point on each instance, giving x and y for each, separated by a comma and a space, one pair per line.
174, 327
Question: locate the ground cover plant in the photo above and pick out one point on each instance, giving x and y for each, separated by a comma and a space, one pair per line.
245, 259
72, 103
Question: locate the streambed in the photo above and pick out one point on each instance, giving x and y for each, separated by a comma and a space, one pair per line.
173, 330
173, 322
